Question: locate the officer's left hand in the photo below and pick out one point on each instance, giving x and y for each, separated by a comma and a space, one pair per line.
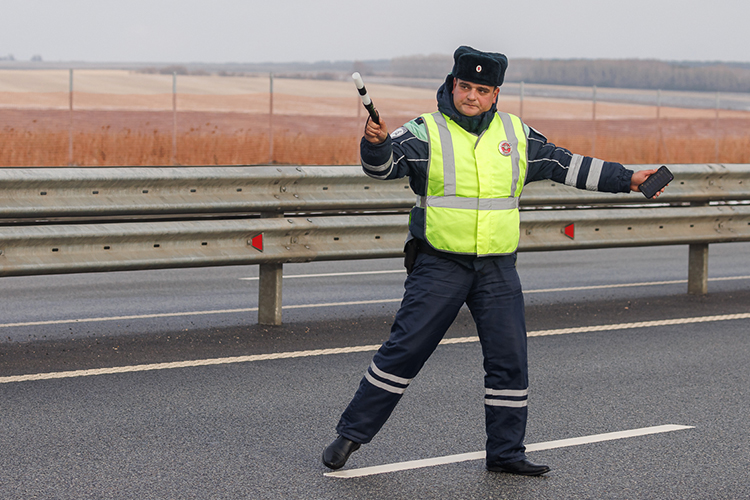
639, 177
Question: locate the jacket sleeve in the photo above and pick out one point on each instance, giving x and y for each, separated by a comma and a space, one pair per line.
404, 153
547, 161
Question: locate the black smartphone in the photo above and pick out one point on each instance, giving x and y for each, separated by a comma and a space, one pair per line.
656, 181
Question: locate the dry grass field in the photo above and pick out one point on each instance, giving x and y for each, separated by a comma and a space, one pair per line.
122, 118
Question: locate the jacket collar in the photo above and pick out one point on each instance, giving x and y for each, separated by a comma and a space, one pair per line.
473, 124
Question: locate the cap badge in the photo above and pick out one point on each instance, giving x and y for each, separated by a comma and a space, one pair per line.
505, 148
479, 68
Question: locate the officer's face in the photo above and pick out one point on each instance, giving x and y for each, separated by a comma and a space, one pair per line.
472, 99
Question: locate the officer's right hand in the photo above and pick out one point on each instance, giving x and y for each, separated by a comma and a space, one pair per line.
375, 133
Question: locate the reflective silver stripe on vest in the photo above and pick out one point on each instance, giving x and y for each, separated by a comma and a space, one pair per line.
467, 203
515, 157
575, 165
595, 173
449, 158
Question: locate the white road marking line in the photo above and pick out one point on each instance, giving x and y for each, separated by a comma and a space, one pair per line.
599, 287
324, 304
541, 290
480, 455
353, 303
118, 318
186, 364
638, 324
345, 350
191, 313
326, 275
628, 285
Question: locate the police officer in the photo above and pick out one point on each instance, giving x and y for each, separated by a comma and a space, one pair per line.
468, 164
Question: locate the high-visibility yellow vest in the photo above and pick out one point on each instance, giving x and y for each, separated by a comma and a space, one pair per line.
473, 186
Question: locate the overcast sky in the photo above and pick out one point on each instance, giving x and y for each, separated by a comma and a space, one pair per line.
333, 30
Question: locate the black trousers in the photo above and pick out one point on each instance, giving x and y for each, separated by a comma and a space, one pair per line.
435, 291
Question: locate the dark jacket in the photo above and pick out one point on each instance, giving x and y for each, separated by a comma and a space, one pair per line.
406, 153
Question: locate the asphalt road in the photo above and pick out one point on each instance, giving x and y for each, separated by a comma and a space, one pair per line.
255, 427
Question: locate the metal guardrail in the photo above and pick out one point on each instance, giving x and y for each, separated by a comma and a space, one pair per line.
75, 248
78, 192
110, 191
275, 215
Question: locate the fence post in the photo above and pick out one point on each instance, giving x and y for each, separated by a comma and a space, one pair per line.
269, 287
593, 117
716, 127
270, 120
357, 129
174, 118
70, 120
520, 95
658, 126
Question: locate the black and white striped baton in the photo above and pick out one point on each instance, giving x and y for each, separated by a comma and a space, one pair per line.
366, 98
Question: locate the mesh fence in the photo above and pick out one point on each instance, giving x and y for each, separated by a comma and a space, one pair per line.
114, 117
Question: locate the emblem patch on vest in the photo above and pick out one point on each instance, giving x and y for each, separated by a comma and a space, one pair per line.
505, 148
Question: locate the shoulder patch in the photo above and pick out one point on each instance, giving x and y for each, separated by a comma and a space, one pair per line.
398, 132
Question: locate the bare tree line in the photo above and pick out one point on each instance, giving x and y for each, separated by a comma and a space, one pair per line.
626, 73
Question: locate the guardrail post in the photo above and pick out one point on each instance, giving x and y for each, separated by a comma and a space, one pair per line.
698, 269
698, 263
269, 287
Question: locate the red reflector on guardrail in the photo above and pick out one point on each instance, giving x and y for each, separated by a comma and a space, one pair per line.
257, 242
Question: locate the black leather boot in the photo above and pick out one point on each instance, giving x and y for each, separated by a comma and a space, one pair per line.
337, 453
522, 468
